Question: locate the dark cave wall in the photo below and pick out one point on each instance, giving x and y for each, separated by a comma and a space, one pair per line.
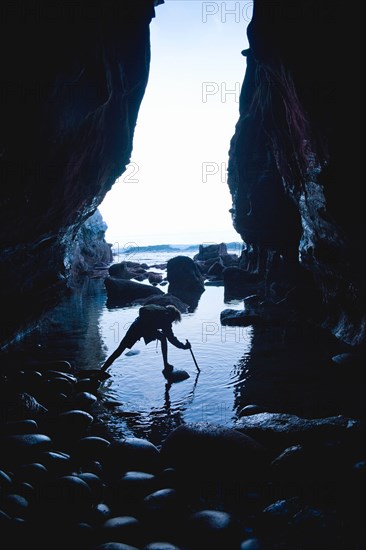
72, 78
296, 157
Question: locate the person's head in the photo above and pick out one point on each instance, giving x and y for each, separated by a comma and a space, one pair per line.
174, 314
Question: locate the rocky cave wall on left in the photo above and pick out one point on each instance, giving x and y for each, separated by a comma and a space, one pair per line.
73, 77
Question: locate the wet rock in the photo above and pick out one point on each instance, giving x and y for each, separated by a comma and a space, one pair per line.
140, 277
216, 269
177, 375
83, 400
56, 401
73, 423
94, 467
59, 366
229, 260
243, 456
169, 477
4, 518
15, 505
184, 275
87, 385
279, 514
279, 430
17, 449
56, 463
162, 513
154, 278
19, 427
122, 292
121, 271
314, 524
24, 489
67, 495
131, 488
23, 406
252, 544
5, 481
348, 360
233, 317
100, 513
128, 270
59, 384
115, 546
248, 410
252, 302
58, 374
160, 546
95, 484
133, 454
34, 473
162, 504
212, 529
125, 529
210, 252
92, 448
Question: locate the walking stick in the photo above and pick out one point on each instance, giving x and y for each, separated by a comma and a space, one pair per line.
194, 359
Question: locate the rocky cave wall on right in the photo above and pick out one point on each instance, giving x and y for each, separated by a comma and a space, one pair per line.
296, 159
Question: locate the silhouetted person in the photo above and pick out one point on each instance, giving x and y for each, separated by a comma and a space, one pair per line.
153, 323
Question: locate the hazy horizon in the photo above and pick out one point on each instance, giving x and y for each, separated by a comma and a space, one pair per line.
175, 189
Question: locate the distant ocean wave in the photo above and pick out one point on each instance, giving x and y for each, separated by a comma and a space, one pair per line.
161, 253
175, 248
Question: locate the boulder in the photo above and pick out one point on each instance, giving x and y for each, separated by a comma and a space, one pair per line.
185, 280
122, 292
132, 453
216, 269
126, 529
154, 278
196, 450
212, 529
22, 406
235, 318
184, 275
210, 251
17, 449
279, 430
230, 260
126, 270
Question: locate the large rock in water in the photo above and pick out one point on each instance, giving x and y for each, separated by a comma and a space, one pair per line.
185, 280
210, 252
121, 291
281, 430
204, 451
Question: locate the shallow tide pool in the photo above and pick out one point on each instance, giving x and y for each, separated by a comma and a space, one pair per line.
146, 402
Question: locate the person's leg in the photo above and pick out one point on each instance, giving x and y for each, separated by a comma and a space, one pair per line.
132, 335
121, 348
164, 350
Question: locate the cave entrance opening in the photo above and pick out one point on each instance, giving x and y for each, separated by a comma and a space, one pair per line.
174, 190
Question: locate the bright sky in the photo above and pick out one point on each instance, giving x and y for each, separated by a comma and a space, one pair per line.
175, 189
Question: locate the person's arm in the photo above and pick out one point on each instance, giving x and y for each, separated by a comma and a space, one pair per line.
113, 357
168, 332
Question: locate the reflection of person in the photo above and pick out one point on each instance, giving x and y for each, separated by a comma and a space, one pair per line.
153, 323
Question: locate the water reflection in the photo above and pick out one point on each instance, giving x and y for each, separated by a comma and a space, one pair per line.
289, 370
137, 400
